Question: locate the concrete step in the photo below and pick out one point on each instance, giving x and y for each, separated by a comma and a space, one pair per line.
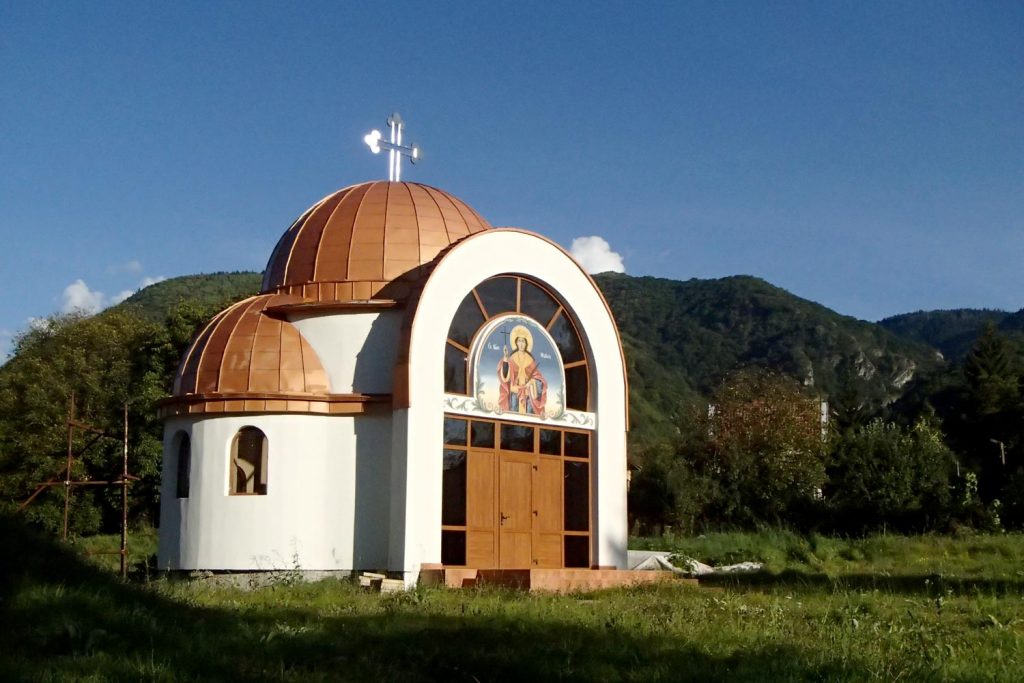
550, 580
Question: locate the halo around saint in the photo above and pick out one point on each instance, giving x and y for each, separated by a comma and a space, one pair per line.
522, 331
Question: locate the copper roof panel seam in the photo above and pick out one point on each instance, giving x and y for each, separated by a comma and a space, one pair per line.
200, 342
440, 211
281, 259
272, 262
448, 204
416, 218
349, 198
281, 328
426, 207
274, 350
269, 278
459, 206
305, 235
352, 233
484, 224
324, 246
192, 359
314, 369
298, 235
280, 348
252, 345
241, 305
384, 237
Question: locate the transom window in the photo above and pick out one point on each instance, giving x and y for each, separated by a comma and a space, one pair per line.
510, 294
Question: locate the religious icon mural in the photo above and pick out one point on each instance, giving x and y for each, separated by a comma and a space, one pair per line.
522, 387
517, 369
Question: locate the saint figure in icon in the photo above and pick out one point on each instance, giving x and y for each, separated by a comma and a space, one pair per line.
522, 387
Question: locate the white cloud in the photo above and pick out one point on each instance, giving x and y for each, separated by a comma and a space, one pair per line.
596, 255
132, 266
147, 281
78, 297
121, 296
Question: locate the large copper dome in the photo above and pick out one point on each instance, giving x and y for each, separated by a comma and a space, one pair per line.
366, 241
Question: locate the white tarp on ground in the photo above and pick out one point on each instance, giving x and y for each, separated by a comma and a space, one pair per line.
661, 560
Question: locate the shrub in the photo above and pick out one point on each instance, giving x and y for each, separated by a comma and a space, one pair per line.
883, 476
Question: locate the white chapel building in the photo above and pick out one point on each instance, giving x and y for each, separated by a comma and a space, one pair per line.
411, 387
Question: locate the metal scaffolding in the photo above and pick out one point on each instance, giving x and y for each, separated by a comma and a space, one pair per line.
63, 477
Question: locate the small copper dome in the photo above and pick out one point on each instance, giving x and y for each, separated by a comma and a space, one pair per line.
354, 243
245, 351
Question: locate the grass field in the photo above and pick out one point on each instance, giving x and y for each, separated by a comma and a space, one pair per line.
884, 608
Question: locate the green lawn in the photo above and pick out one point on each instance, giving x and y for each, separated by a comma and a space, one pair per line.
885, 608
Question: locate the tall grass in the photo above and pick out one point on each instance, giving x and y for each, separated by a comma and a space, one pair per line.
68, 620
980, 556
104, 550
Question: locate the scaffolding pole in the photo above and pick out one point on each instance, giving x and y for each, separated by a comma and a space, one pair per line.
68, 484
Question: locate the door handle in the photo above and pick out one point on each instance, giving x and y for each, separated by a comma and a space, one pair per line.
503, 518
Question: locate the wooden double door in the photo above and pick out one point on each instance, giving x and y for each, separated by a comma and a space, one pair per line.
515, 507
513, 510
529, 509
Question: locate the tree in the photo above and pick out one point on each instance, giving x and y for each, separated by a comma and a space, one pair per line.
849, 403
754, 456
92, 358
109, 360
764, 448
886, 476
992, 374
990, 415
117, 357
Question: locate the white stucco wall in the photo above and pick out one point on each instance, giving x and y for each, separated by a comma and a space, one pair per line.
324, 474
418, 433
358, 350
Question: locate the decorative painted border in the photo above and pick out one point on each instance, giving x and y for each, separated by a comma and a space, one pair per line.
467, 405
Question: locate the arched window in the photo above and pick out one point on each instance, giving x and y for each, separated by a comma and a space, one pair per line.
249, 462
184, 464
500, 296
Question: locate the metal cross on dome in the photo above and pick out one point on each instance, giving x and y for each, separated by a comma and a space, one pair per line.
395, 149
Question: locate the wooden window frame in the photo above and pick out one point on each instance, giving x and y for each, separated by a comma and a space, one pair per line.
496, 450
261, 469
560, 311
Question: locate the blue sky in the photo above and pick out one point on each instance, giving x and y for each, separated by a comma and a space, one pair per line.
865, 155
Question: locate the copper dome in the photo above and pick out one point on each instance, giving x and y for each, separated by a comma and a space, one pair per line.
244, 351
354, 243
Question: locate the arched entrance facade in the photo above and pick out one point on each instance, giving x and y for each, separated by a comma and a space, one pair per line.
517, 431
510, 442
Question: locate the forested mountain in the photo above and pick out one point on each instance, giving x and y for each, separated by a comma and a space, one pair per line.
687, 344
951, 332
1013, 323
683, 337
208, 290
